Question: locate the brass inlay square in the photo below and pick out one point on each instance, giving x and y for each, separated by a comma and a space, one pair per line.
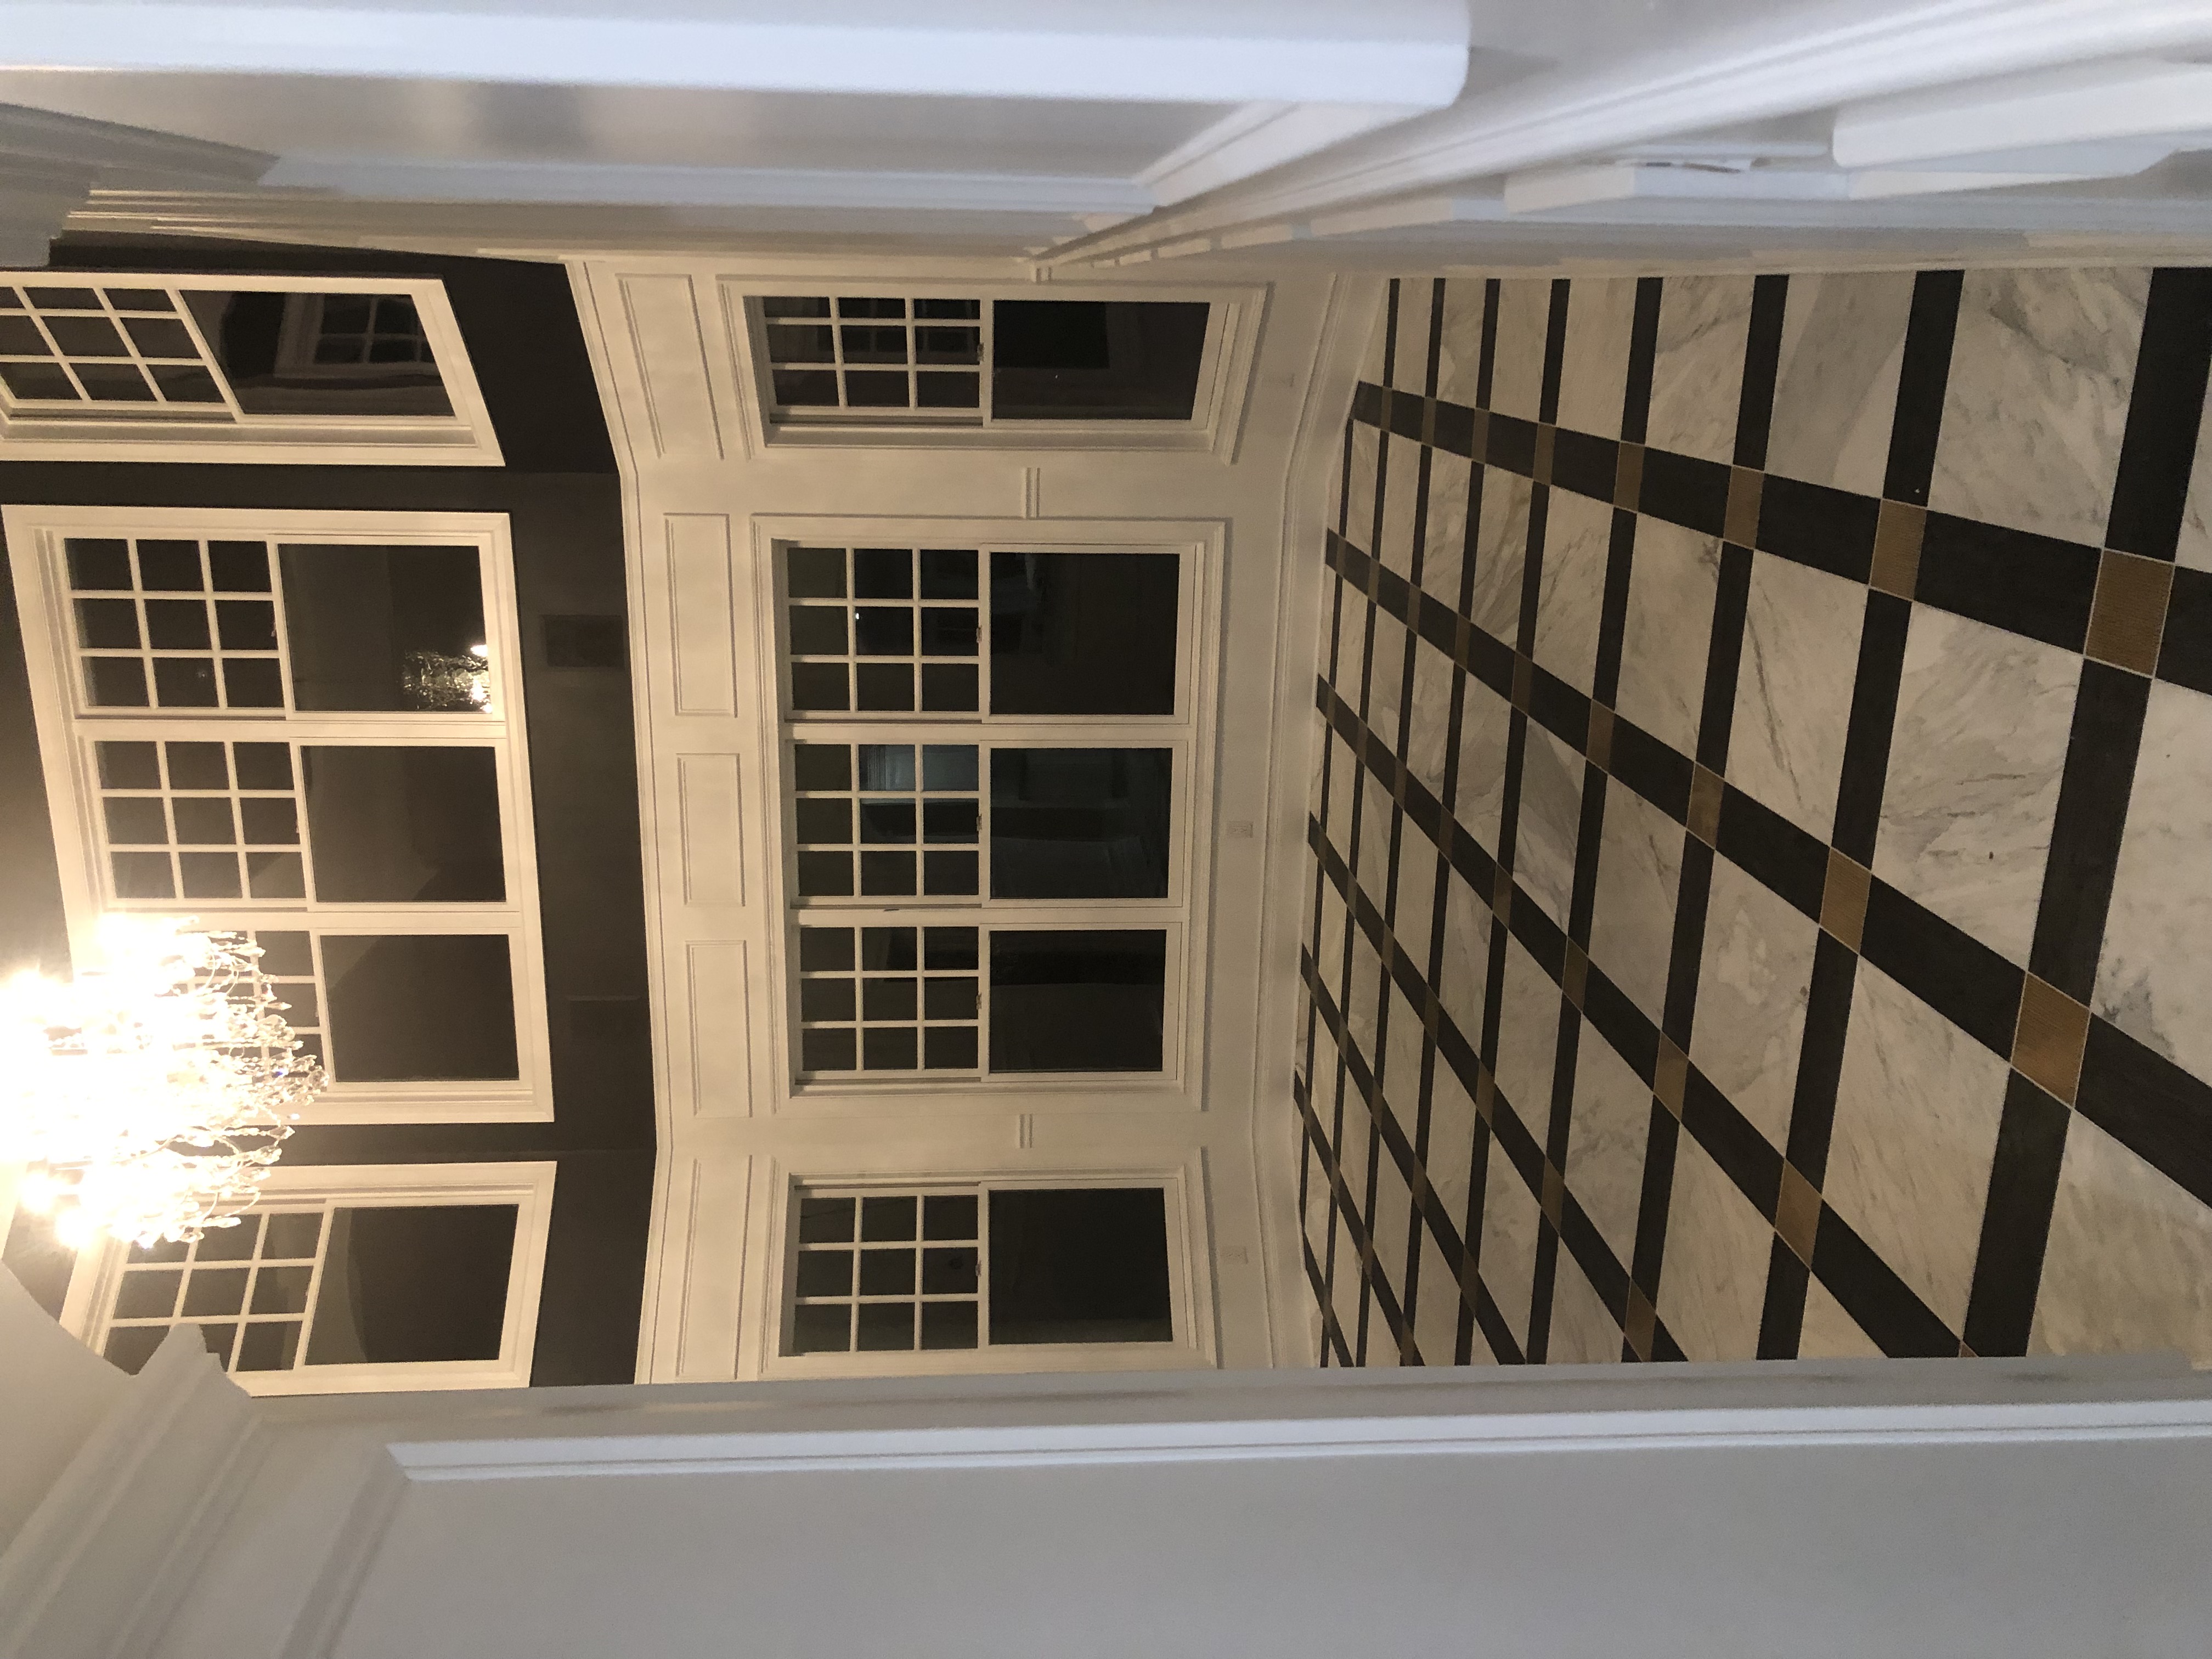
2047, 1044
1432, 1013
2128, 617
1486, 1093
1643, 1322
1479, 447
1555, 1194
1545, 436
1577, 974
1671, 1076
1965, 1352
1599, 744
1463, 641
1628, 478
1797, 1213
1843, 898
1705, 792
1501, 897
1741, 525
1897, 548
1524, 682
1428, 423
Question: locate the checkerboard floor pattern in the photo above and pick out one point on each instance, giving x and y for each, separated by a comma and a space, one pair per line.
1761, 894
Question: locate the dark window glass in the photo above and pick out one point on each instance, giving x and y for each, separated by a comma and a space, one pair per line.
1079, 824
99, 562
128, 766
404, 1006
823, 1328
403, 825
383, 628
1092, 360
318, 354
1088, 1001
402, 1285
1081, 1265
1082, 633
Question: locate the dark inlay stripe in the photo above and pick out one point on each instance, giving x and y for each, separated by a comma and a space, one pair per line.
2031, 585
2186, 656
1584, 464
2150, 493
1659, 774
2016, 1221
1885, 1306
1947, 969
2149, 1105
1761, 359
1773, 851
1874, 711
2085, 832
1685, 490
1809, 524
1921, 379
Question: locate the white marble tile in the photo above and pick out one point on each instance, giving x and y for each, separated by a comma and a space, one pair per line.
1354, 1146
1507, 1263
1400, 1075
2194, 547
1793, 690
1402, 494
1362, 997
2042, 365
1485, 723
2154, 981
1329, 948
1314, 803
1459, 360
1669, 628
1501, 554
1409, 369
1593, 366
1430, 739
1451, 1141
1527, 1038
1829, 1332
1373, 366
1524, 309
1416, 899
1346, 1284
1751, 989
1316, 1215
2128, 1265
1372, 867
1835, 385
1983, 718
1696, 368
1550, 818
1352, 610
1640, 873
1583, 1333
1343, 790
1606, 1143
1366, 443
1916, 1129
1386, 676
1465, 978
1393, 1234
1570, 586
1713, 1275
1444, 544
1435, 1305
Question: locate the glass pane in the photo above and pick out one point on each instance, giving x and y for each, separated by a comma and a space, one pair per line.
1088, 1001
407, 1006
1087, 1265
1090, 359
316, 354
1082, 633
826, 1220
385, 628
823, 1328
402, 1285
948, 1324
403, 825
1079, 824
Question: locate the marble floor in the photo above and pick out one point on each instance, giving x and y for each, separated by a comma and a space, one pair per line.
1761, 895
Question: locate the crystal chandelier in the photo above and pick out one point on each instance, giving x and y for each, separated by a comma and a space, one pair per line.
147, 1097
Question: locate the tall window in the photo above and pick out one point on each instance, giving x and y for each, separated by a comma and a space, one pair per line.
307, 727
146, 366
955, 360
988, 785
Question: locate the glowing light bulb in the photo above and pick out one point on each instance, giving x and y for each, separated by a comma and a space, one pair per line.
479, 651
37, 1191
74, 1229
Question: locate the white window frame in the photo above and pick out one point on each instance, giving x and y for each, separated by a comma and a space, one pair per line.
1217, 410
464, 438
1189, 732
97, 1277
1189, 1289
68, 730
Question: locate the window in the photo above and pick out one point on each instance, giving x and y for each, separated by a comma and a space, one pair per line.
235, 368
389, 1277
306, 727
987, 848
1082, 367
976, 1266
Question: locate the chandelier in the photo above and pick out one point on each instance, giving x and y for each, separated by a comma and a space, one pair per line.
147, 1097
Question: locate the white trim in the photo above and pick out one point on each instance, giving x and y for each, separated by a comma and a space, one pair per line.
1217, 408
66, 733
1189, 1251
465, 438
94, 1279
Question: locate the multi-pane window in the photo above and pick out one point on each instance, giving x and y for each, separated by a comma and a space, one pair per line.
97, 347
1047, 773
964, 360
976, 1266
326, 1284
304, 726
